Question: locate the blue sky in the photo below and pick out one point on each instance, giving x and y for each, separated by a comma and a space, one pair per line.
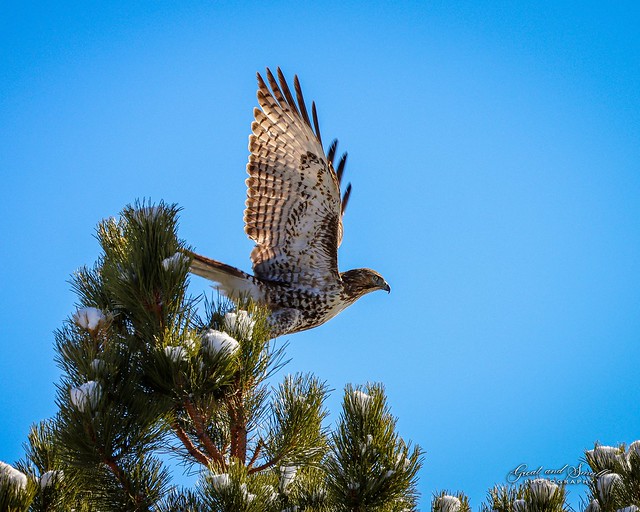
493, 151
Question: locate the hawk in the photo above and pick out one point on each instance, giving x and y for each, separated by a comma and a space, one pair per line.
294, 215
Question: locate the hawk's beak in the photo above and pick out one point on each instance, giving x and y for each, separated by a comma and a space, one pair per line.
387, 287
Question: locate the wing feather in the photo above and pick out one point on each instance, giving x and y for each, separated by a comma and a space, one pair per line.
293, 208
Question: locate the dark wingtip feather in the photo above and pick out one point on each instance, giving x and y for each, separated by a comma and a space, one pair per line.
341, 165
316, 125
261, 83
332, 150
301, 104
287, 92
345, 198
277, 93
270, 77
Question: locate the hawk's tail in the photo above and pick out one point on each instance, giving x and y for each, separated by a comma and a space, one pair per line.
233, 282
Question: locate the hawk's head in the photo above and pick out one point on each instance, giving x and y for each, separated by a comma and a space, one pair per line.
361, 281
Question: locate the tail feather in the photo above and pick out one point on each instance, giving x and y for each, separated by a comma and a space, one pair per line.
233, 282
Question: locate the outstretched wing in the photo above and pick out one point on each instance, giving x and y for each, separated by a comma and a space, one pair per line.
293, 208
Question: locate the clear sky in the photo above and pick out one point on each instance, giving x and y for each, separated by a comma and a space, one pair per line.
494, 151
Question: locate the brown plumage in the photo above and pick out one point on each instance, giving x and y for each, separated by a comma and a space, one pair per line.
294, 214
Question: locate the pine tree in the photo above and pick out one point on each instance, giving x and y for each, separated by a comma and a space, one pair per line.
146, 372
615, 484
149, 370
536, 495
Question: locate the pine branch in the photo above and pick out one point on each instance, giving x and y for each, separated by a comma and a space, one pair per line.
238, 427
256, 454
156, 307
268, 464
120, 475
188, 444
199, 424
108, 461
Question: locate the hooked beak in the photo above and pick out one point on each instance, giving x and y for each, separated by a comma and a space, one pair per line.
386, 287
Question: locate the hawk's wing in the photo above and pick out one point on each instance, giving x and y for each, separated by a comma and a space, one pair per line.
293, 209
